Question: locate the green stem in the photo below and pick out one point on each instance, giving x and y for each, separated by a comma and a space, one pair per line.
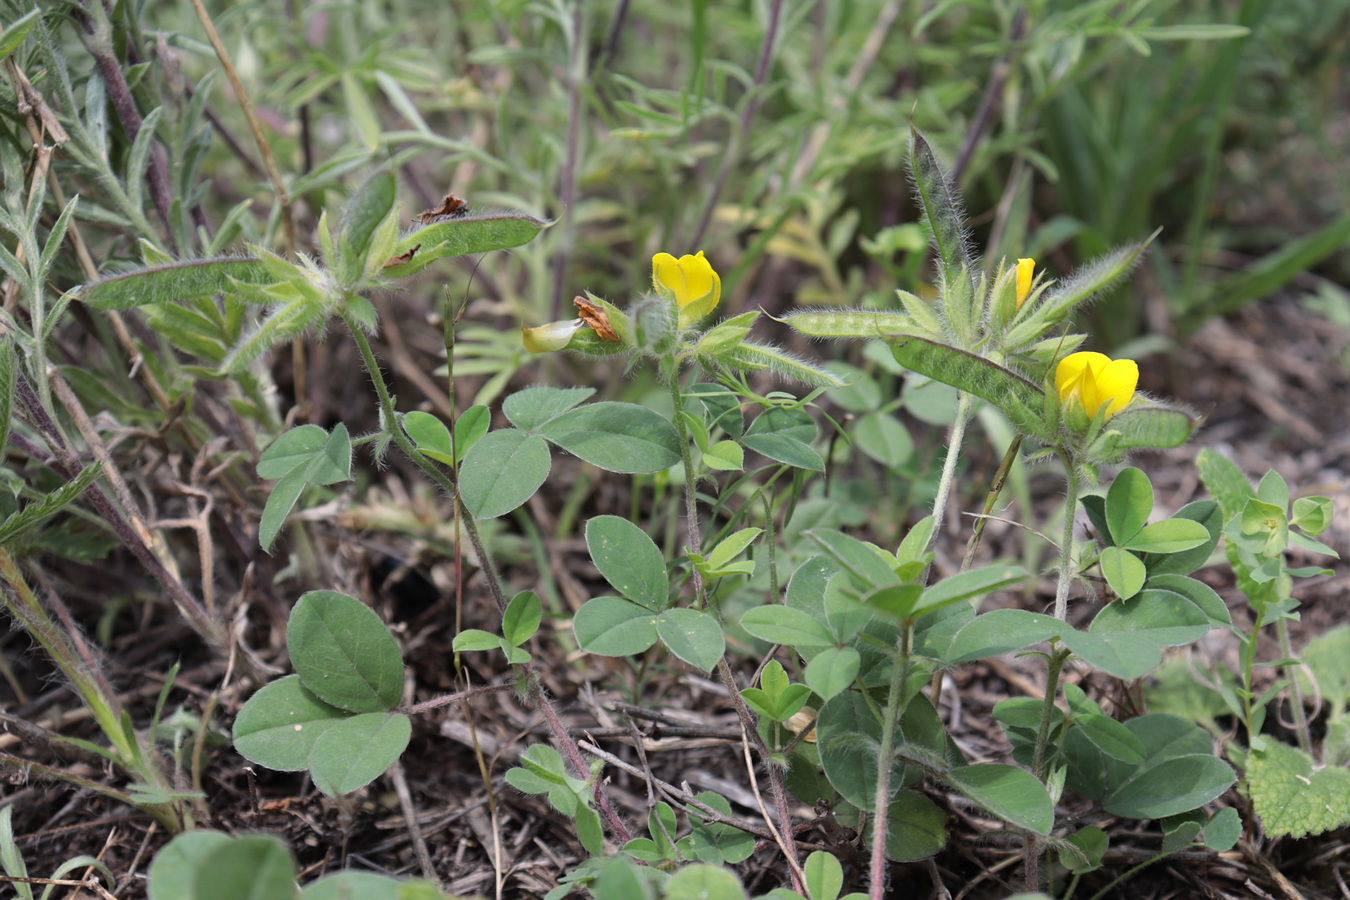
389, 416
690, 485
1300, 719
1071, 478
882, 801
954, 440
1057, 660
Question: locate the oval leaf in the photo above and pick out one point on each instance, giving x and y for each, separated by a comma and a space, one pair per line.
786, 625
1012, 794
344, 653
357, 750
617, 437
279, 724
693, 636
256, 867
612, 626
502, 471
629, 560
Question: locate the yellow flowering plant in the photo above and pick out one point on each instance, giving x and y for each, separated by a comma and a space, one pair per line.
663, 325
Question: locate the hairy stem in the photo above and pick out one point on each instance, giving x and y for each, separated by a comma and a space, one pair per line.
690, 489
954, 440
881, 804
1072, 477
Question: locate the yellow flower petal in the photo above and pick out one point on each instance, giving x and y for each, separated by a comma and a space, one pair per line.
1094, 380
1116, 382
1026, 269
1069, 373
689, 278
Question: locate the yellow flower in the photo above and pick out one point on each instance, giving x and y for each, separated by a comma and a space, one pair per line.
1025, 269
1094, 380
691, 280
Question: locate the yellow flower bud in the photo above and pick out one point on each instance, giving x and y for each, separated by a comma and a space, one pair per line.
553, 336
1093, 380
1026, 268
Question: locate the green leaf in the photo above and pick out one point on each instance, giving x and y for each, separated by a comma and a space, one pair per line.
967, 372
1224, 481
463, 236
612, 626
357, 750
852, 323
1168, 536
785, 435
1129, 502
530, 408
617, 437
882, 437
1179, 773
279, 724
174, 868
848, 737
1123, 654
725, 456
1111, 738
692, 635
1091, 843
280, 502
916, 828
521, 619
344, 653
16, 524
322, 457
1210, 516
502, 471
1002, 631
629, 560
1312, 515
175, 282
701, 882
731, 547
15, 32
350, 884
1327, 659
470, 426
1011, 793
471, 639
944, 214
787, 626
824, 875
832, 670
1199, 593
1124, 571
970, 585
1223, 830
369, 206
726, 334
247, 868
1291, 796
430, 436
